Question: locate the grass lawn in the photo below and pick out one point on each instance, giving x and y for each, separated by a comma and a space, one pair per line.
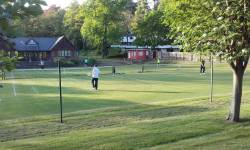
167, 108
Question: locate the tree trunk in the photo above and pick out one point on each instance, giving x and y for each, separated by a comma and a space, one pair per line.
104, 41
238, 72
234, 114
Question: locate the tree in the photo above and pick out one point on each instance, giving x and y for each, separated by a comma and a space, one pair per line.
18, 9
148, 26
218, 27
129, 14
103, 23
50, 23
151, 31
6, 64
142, 10
73, 21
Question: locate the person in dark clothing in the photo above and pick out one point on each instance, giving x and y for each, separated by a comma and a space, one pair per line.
113, 70
202, 67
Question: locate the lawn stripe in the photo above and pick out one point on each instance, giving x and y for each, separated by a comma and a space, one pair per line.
30, 83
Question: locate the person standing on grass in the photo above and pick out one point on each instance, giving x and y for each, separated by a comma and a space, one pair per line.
95, 76
113, 70
42, 64
202, 67
158, 62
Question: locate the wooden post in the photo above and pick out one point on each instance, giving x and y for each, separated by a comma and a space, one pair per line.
60, 91
212, 77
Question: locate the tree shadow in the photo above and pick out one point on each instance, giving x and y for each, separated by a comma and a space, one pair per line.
145, 91
88, 114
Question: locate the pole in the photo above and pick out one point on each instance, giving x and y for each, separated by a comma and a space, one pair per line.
212, 78
60, 90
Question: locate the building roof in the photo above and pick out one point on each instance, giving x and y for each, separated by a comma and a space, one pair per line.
35, 43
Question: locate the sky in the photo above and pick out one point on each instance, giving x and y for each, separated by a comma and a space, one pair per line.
65, 3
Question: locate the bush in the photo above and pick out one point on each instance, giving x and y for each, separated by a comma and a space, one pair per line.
70, 62
76, 61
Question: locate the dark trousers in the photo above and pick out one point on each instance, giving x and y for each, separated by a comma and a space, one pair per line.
202, 69
95, 83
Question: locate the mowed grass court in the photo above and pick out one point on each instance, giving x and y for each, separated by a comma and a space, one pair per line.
167, 108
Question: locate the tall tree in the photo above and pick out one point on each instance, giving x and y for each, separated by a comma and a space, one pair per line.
73, 21
148, 26
151, 31
142, 10
50, 23
129, 14
18, 9
103, 23
217, 27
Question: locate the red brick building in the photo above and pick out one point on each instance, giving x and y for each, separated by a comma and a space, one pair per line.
138, 54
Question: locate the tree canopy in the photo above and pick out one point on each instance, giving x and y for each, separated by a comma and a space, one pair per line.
148, 26
73, 21
18, 9
103, 23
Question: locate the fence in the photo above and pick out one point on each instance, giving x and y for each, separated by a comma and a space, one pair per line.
182, 56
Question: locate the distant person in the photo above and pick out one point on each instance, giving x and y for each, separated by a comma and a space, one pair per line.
95, 76
202, 67
42, 64
158, 62
86, 62
113, 70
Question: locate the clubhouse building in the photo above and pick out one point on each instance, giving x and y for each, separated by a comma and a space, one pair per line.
39, 48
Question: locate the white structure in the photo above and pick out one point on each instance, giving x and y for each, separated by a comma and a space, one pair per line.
128, 40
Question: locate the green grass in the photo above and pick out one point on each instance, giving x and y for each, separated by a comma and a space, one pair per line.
168, 108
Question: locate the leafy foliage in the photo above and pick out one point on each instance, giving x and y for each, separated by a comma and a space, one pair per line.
148, 26
73, 21
7, 64
49, 24
103, 22
214, 26
151, 30
218, 27
16, 9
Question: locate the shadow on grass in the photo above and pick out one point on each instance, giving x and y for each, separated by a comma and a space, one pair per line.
145, 91
30, 89
84, 114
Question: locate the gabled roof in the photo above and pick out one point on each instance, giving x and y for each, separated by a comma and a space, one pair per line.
56, 42
38, 43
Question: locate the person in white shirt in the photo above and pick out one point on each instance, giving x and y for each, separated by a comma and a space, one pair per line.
42, 64
95, 76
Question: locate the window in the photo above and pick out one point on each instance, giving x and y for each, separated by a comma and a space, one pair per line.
134, 53
67, 53
140, 53
61, 53
64, 53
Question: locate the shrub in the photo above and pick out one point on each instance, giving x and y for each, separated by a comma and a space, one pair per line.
91, 61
